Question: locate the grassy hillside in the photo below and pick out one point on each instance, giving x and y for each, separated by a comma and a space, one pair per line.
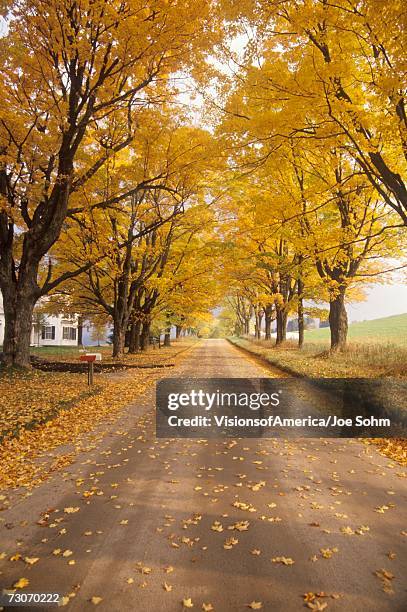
389, 330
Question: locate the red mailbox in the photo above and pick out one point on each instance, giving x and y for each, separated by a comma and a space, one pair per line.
89, 359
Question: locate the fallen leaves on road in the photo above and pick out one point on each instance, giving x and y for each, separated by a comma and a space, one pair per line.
240, 526
21, 583
18, 454
31, 560
386, 578
230, 543
394, 448
328, 552
316, 605
187, 603
217, 526
283, 560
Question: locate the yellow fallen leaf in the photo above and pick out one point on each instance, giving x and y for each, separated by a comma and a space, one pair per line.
167, 587
67, 553
130, 580
240, 526
187, 603
168, 569
96, 600
347, 530
255, 605
317, 605
207, 607
309, 596
21, 583
71, 510
143, 569
283, 560
217, 526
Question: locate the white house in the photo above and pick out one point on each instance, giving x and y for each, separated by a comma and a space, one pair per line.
48, 330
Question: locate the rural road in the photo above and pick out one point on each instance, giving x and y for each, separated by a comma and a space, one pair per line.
154, 515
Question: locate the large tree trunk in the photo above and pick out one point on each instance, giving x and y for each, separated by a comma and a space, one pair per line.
18, 313
178, 330
134, 341
268, 317
281, 325
119, 337
167, 336
300, 312
338, 320
145, 336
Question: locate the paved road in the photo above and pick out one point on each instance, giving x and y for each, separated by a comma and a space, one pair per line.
336, 508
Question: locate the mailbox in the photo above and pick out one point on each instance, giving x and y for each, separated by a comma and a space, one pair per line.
88, 358
97, 356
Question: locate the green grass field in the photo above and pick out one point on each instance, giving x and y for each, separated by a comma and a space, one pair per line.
389, 330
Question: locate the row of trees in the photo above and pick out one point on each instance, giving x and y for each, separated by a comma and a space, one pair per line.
315, 127
113, 203
80, 85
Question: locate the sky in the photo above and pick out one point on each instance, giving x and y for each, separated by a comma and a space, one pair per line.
381, 301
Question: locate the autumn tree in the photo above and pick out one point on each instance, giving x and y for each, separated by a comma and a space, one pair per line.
327, 70
75, 75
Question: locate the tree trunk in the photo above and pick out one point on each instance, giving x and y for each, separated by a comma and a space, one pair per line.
167, 337
80, 331
178, 330
338, 321
18, 313
145, 336
134, 342
167, 334
268, 314
300, 314
119, 336
258, 320
281, 325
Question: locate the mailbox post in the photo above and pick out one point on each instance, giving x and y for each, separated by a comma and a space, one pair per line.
90, 358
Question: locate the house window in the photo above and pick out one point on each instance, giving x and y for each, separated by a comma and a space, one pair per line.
48, 332
69, 333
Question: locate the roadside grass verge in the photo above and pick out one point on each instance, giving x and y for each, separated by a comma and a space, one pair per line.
359, 360
386, 330
153, 354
